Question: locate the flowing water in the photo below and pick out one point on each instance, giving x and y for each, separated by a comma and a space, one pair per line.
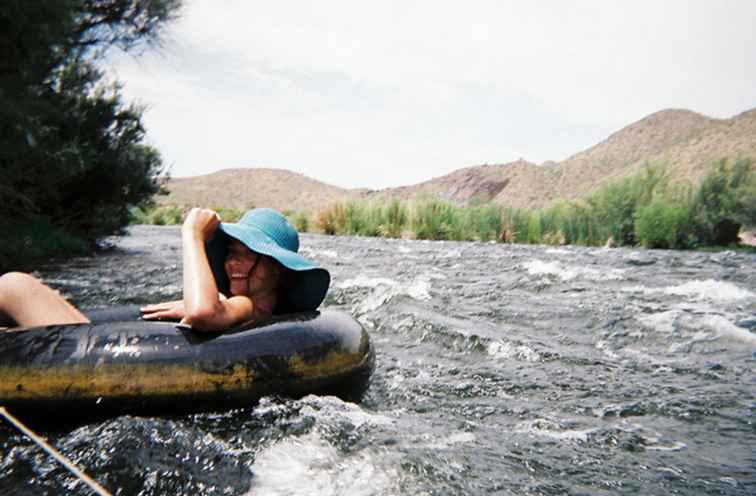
500, 370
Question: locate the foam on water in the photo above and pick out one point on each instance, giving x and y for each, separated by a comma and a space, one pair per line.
505, 349
329, 408
384, 289
551, 429
309, 465
312, 253
453, 253
695, 326
665, 322
716, 291
362, 281
723, 328
567, 273
453, 440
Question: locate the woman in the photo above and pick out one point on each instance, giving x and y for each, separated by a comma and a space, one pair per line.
233, 273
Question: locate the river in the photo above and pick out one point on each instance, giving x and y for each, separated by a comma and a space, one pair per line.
501, 369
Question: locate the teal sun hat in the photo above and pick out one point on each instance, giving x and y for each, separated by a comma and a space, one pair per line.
266, 231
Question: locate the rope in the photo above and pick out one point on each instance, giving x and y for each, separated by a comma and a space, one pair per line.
55, 453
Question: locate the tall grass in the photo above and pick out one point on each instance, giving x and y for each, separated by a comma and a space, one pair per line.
644, 209
170, 215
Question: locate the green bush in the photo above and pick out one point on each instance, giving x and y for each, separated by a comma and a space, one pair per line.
300, 221
534, 228
483, 221
165, 215
614, 205
515, 223
26, 243
437, 220
395, 218
332, 220
663, 223
724, 202
72, 153
228, 214
643, 209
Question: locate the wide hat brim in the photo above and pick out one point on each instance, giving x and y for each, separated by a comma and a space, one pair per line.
309, 282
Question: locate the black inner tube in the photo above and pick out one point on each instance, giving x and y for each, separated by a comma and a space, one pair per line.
119, 364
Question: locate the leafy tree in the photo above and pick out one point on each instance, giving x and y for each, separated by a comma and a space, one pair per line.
724, 202
71, 152
614, 205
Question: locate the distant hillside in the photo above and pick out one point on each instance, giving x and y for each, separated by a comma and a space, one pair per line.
686, 141
242, 188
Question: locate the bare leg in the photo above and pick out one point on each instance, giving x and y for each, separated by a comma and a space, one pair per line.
30, 303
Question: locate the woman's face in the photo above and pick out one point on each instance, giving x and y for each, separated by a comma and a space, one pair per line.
247, 275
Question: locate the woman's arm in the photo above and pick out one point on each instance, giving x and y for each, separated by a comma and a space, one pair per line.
203, 307
167, 310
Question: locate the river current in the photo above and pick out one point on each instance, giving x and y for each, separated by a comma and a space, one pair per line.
500, 369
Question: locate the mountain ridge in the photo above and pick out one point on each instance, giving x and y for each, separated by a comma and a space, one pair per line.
686, 141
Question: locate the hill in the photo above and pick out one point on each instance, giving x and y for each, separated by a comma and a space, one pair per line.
685, 141
261, 187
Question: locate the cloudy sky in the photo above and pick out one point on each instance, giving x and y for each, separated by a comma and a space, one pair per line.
388, 93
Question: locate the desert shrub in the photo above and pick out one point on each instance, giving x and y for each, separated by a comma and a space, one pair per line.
332, 220
484, 221
663, 223
168, 215
436, 219
554, 238
572, 222
354, 218
374, 219
515, 224
724, 202
158, 215
300, 221
363, 219
229, 214
613, 206
394, 219
534, 228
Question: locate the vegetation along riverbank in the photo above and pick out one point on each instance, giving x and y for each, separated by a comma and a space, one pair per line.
647, 209
73, 160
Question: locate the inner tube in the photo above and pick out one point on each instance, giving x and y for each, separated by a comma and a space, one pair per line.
110, 367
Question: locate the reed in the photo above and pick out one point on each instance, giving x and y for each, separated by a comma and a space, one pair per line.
300, 221
165, 215
644, 209
664, 223
437, 220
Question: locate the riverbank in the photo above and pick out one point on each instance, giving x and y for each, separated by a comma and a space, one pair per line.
645, 210
36, 241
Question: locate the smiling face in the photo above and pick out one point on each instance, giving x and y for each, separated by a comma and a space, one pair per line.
249, 273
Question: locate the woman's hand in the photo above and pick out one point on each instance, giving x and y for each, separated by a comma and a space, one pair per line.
168, 310
201, 222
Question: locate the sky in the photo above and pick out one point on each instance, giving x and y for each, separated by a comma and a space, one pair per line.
389, 93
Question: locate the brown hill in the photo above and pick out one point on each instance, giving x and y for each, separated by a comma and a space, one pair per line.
261, 187
685, 141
